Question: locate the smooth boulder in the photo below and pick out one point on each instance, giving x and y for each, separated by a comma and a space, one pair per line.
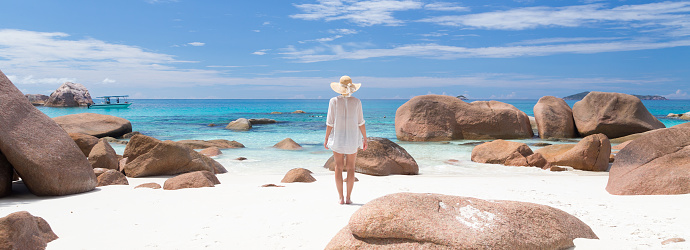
147, 156
287, 144
382, 157
112, 177
298, 175
218, 143
84, 142
590, 154
441, 118
612, 114
658, 163
195, 179
41, 152
502, 152
69, 95
554, 118
22, 230
36, 99
6, 174
241, 124
94, 124
435, 221
210, 152
103, 155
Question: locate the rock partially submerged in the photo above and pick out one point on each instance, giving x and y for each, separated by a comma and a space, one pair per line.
218, 143
434, 221
554, 118
37, 99
148, 156
613, 114
69, 95
382, 157
241, 124
442, 118
287, 144
590, 154
262, 121
21, 230
94, 124
43, 154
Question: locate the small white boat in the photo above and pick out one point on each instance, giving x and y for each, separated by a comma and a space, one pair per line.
112, 102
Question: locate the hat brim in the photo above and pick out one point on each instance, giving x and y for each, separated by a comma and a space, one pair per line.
337, 87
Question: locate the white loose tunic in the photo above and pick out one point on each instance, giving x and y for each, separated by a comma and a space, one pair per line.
345, 116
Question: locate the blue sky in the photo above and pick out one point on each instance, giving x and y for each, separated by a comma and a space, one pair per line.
395, 48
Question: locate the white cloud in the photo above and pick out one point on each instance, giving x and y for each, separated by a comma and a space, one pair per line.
108, 80
445, 6
260, 52
436, 51
363, 13
322, 40
565, 40
653, 14
196, 44
343, 31
679, 94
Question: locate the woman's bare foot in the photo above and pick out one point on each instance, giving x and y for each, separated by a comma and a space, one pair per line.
342, 201
348, 201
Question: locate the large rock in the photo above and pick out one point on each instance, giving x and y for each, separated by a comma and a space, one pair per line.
287, 144
6, 173
94, 124
36, 99
21, 230
103, 156
46, 158
84, 142
210, 152
382, 157
147, 156
590, 154
112, 177
657, 163
69, 95
241, 124
196, 179
502, 152
612, 114
434, 221
219, 143
554, 118
298, 175
439, 118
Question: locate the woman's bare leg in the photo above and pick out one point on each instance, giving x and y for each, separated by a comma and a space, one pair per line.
339, 165
350, 167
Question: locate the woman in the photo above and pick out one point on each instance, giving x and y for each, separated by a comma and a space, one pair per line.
345, 133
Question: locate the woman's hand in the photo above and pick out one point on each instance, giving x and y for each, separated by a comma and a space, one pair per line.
325, 144
364, 144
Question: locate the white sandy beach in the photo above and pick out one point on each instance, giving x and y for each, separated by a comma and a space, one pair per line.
239, 214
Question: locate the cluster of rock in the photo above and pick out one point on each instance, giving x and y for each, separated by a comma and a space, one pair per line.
442, 118
434, 221
439, 118
35, 147
382, 157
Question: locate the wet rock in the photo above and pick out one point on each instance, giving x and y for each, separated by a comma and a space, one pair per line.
241, 124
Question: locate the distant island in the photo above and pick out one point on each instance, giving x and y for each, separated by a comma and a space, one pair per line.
579, 96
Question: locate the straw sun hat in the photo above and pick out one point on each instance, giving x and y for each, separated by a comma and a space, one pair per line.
345, 86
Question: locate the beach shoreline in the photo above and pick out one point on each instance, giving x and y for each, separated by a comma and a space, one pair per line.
240, 214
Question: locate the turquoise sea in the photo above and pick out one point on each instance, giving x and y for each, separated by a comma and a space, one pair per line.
181, 119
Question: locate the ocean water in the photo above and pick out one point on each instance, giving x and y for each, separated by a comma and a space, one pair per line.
189, 119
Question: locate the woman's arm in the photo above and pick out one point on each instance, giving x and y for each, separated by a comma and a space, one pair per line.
328, 132
363, 129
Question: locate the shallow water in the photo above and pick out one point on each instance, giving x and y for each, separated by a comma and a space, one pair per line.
189, 119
